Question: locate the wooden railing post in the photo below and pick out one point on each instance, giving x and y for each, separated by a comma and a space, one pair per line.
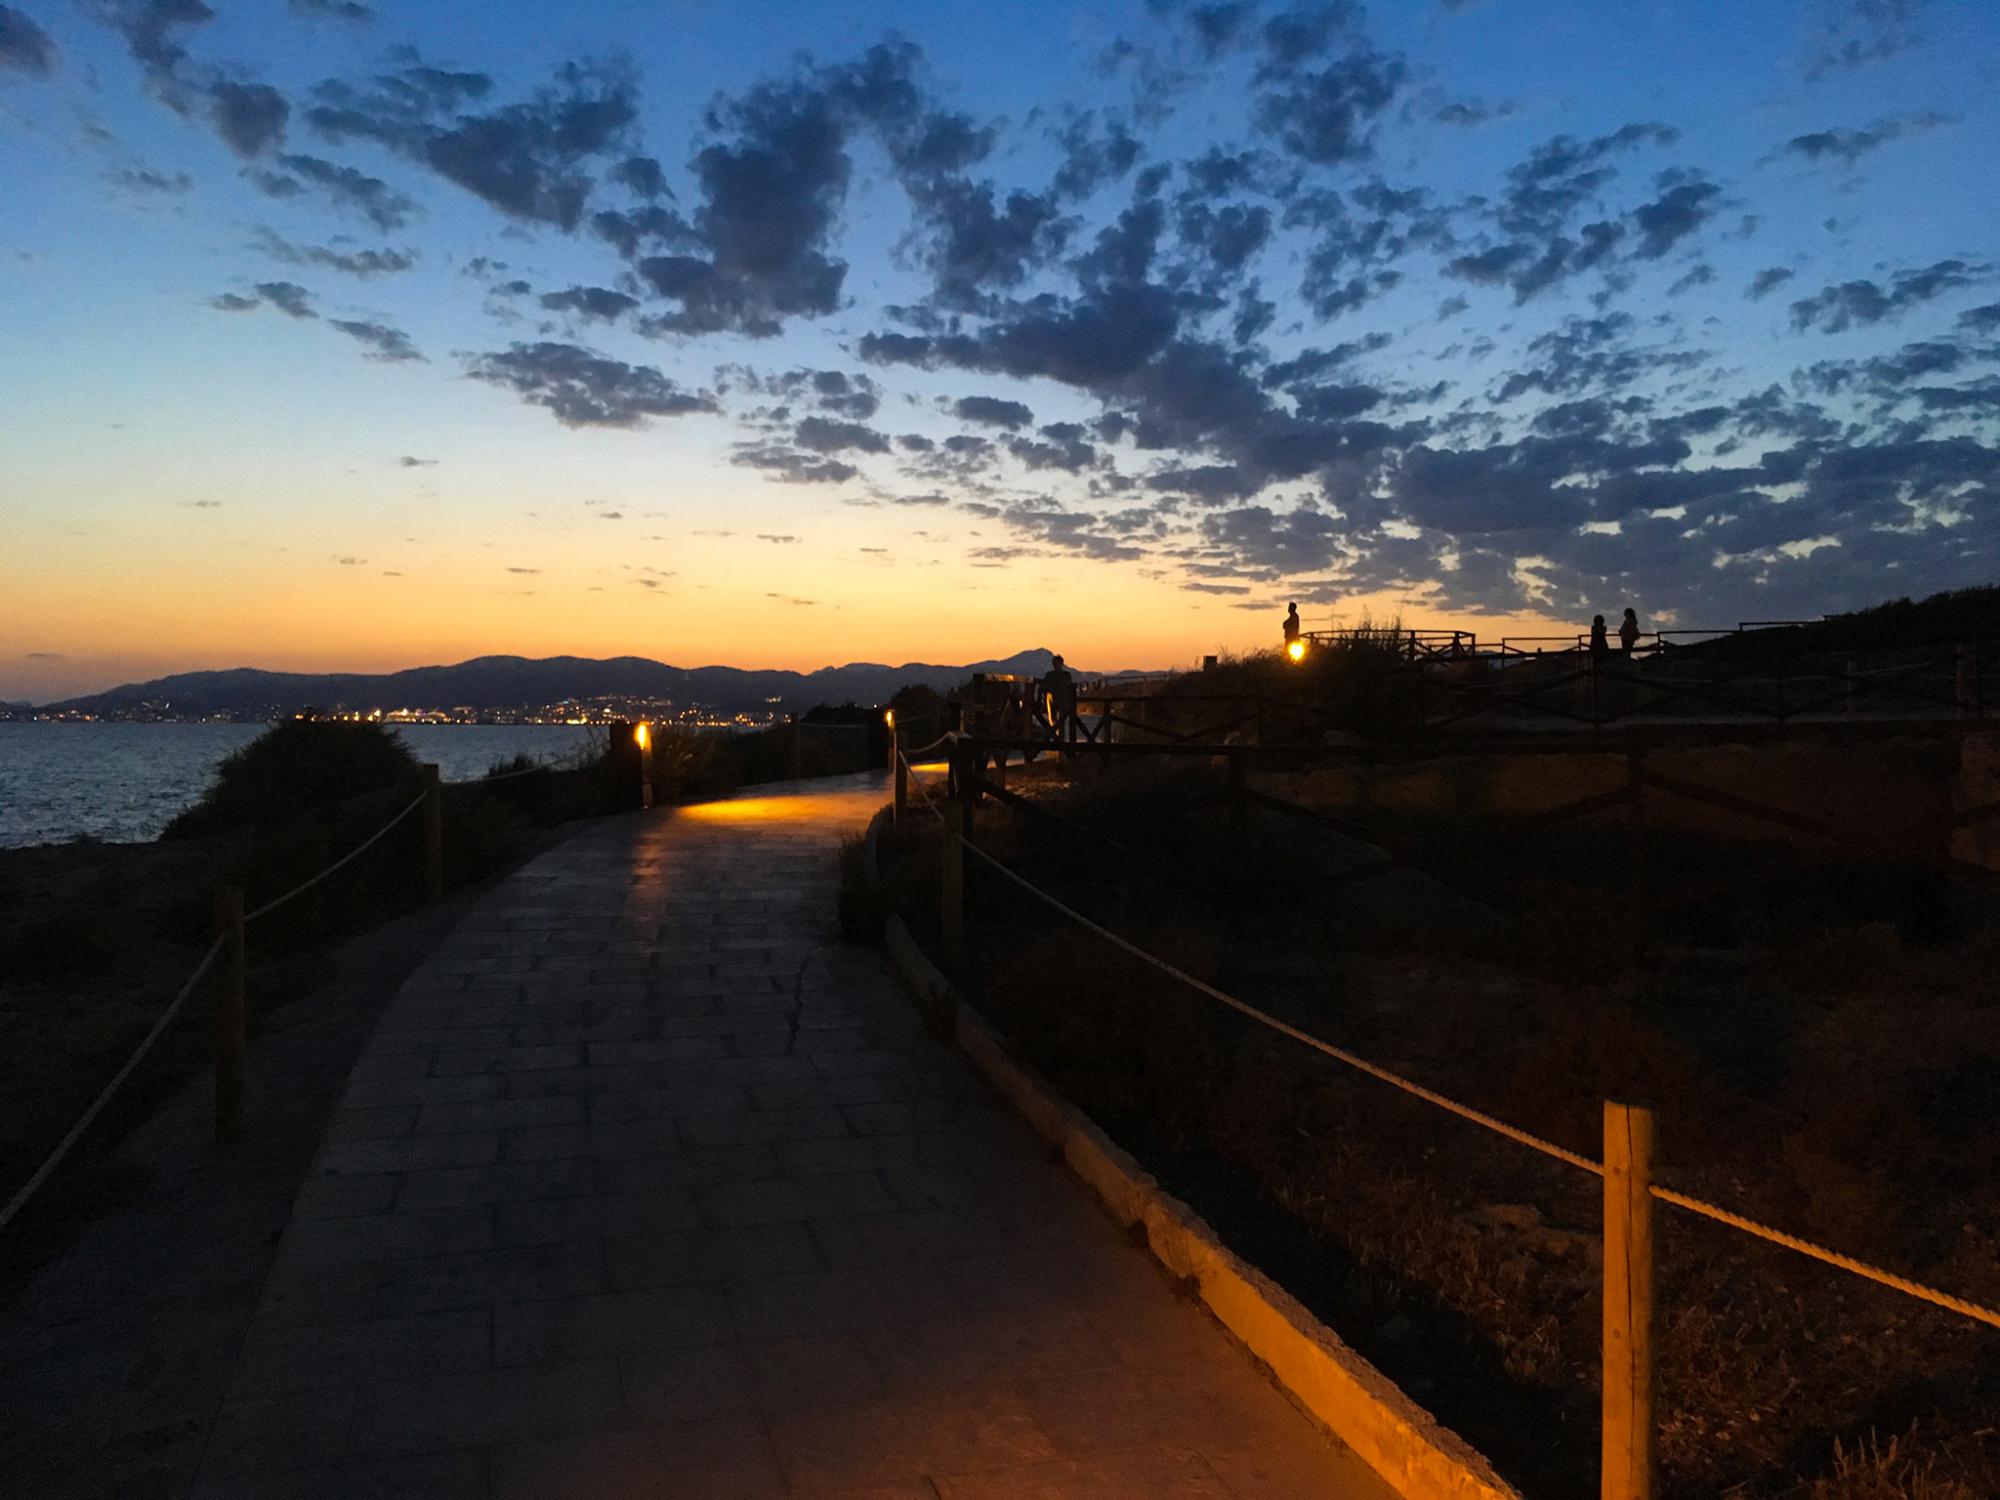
1239, 801
951, 905
433, 836
1628, 1302
229, 1014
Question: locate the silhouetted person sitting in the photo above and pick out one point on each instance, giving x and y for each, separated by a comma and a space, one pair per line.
1628, 632
1600, 644
1291, 623
1059, 694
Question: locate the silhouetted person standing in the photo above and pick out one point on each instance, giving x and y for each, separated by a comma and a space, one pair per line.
1600, 644
1059, 693
1628, 632
1291, 623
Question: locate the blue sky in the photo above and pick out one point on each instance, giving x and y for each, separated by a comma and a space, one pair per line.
343, 334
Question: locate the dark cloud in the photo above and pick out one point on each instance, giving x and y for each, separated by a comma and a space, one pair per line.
1835, 309
344, 187
24, 46
144, 180
1327, 115
991, 411
1981, 319
288, 297
585, 389
591, 302
348, 262
1855, 33
389, 345
333, 10
791, 465
234, 302
1848, 146
775, 538
409, 462
1769, 280
530, 160
829, 435
250, 117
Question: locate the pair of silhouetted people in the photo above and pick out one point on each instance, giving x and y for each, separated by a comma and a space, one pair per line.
1628, 635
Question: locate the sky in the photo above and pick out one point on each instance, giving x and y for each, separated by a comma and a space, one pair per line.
343, 334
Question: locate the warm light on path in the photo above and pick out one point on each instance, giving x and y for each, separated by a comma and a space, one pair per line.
649, 1183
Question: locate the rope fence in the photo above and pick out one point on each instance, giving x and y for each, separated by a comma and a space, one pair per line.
1626, 1170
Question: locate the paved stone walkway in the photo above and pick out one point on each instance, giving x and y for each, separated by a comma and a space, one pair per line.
646, 1185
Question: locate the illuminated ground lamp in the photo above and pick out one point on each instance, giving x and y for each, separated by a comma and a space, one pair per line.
1296, 650
642, 736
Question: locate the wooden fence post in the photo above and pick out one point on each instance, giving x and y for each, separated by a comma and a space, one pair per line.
902, 803
229, 1014
433, 836
1628, 1302
1239, 801
951, 909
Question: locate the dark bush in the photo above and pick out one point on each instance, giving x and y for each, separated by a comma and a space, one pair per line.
294, 766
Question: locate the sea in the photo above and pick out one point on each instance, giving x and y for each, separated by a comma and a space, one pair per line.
123, 783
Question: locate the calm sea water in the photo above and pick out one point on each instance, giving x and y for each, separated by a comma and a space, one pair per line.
123, 782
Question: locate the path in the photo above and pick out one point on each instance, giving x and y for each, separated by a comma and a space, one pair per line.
647, 1186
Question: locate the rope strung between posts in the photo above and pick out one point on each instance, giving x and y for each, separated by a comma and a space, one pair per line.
536, 769
1338, 1054
917, 781
353, 854
76, 1131
1700, 1206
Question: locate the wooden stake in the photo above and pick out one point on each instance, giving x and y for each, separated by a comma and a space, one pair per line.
951, 896
229, 1014
902, 769
433, 836
1628, 1302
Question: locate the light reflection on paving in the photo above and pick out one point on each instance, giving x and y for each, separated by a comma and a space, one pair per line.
646, 1185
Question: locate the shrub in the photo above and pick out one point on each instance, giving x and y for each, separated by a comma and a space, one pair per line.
294, 766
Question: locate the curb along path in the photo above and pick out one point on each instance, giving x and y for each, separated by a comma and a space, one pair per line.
647, 1186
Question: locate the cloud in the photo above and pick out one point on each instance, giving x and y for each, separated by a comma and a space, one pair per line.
351, 562
1677, 213
1855, 33
408, 462
24, 46
586, 389
791, 465
333, 10
596, 303
383, 343
288, 297
1848, 146
144, 180
43, 656
827, 435
1835, 309
780, 540
530, 160
990, 411
1769, 280
346, 188
524, 570
234, 302
349, 262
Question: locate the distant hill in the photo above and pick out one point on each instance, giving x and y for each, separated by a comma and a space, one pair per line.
513, 682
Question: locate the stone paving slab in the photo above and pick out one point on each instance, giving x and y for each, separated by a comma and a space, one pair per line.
646, 1185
